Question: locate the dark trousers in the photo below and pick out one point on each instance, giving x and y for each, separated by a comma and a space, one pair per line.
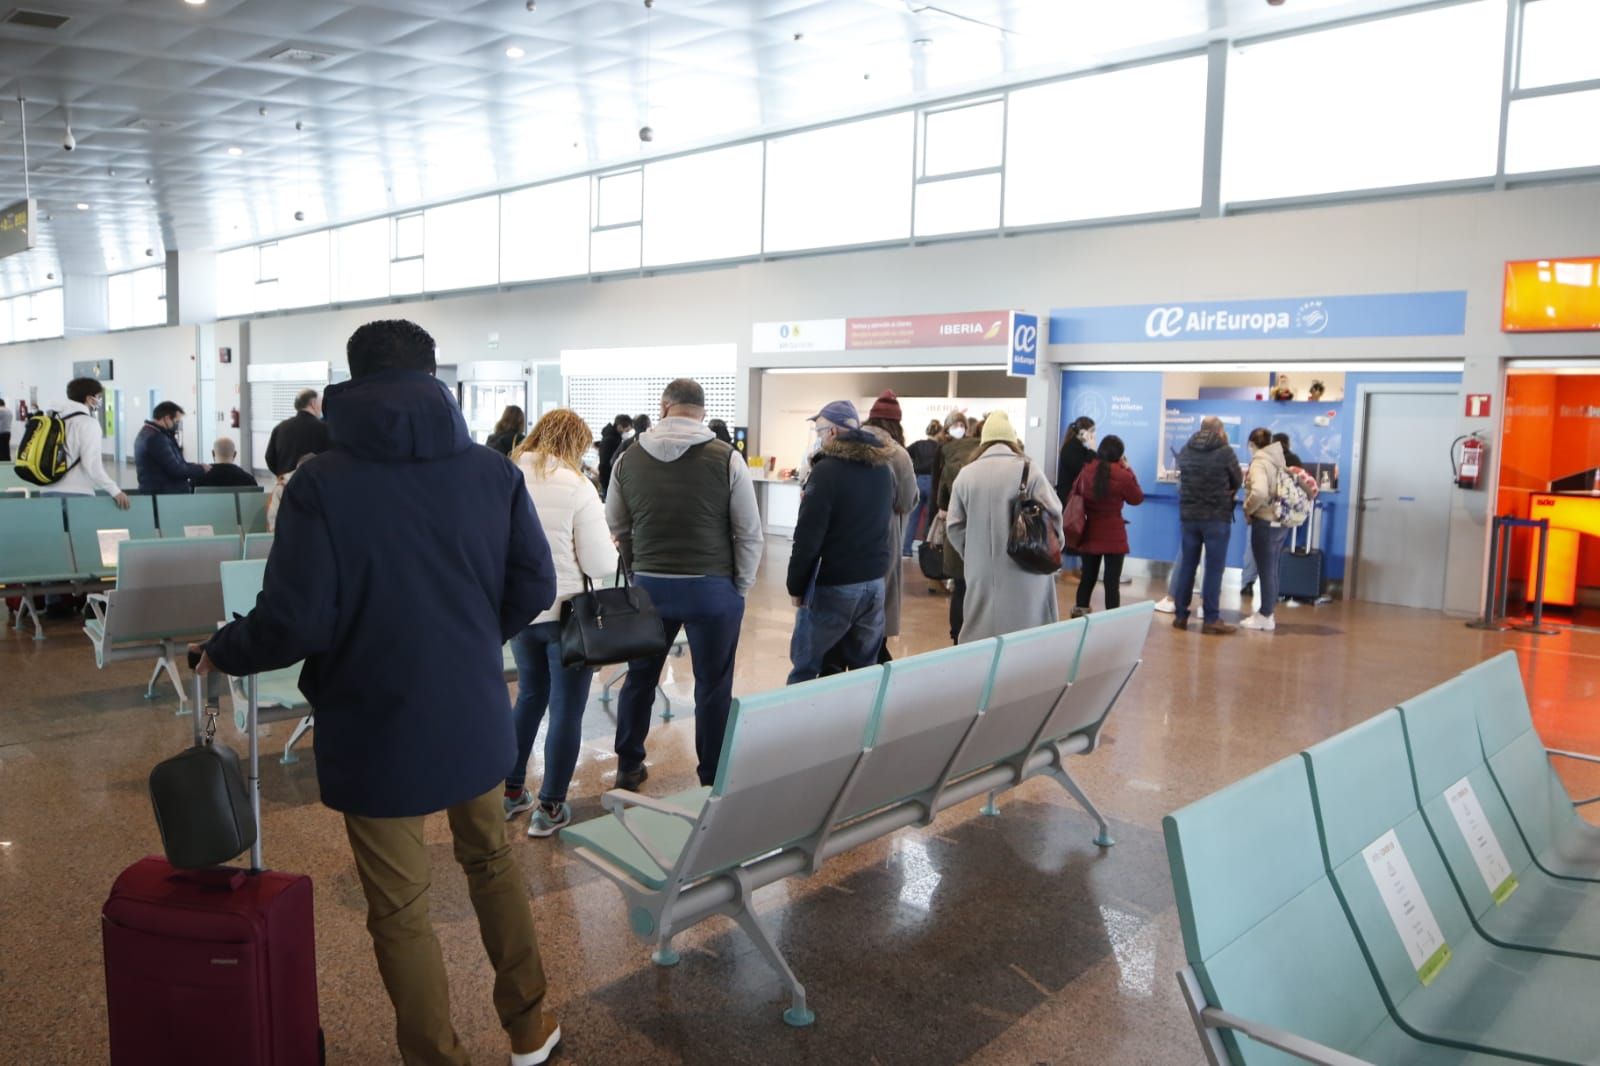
1213, 537
958, 609
5, 447
1266, 542
711, 610
1091, 571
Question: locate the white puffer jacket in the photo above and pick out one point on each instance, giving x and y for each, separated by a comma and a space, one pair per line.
574, 522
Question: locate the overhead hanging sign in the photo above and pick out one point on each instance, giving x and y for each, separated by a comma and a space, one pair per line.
1407, 314
1551, 296
961, 330
16, 228
1023, 329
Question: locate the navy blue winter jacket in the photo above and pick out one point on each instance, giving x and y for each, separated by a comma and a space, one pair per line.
405, 557
160, 464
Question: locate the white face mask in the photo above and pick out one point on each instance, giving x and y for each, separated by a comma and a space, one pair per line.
627, 433
958, 431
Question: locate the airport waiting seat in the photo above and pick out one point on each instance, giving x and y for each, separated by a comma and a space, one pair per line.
277, 692
1511, 900
1274, 972
96, 525
35, 554
1442, 979
257, 545
813, 770
1561, 841
12, 485
207, 515
205, 490
252, 512
167, 594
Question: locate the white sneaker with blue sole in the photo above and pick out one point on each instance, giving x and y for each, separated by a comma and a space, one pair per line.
547, 820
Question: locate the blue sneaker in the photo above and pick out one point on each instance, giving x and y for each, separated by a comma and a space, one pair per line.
548, 819
516, 806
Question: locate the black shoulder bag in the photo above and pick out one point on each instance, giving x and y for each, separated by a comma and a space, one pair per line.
1034, 543
201, 801
600, 627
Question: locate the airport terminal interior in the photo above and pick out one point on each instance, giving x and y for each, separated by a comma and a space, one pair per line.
1177, 421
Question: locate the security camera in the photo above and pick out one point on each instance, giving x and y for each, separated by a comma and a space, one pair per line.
646, 134
69, 142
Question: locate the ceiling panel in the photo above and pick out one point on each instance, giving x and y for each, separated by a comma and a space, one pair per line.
405, 100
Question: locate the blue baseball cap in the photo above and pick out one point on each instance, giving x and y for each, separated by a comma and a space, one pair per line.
841, 413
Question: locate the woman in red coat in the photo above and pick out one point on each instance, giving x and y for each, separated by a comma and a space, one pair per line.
1106, 483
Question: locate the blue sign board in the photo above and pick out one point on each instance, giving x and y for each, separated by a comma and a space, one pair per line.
1024, 361
1406, 314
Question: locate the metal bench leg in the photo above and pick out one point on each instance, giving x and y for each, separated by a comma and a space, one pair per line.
29, 610
990, 809
177, 682
797, 1015
150, 688
1060, 774
664, 955
666, 713
300, 730
610, 683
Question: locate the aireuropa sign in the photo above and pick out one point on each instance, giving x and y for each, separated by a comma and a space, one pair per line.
1024, 355
1409, 314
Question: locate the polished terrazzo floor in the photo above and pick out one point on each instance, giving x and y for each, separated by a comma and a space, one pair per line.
977, 940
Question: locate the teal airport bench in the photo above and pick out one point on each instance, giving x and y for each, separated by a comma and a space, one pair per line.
813, 770
1374, 899
35, 556
276, 693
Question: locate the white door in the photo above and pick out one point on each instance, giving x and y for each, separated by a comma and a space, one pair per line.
1403, 513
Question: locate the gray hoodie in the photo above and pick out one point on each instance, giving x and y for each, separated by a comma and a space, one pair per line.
667, 440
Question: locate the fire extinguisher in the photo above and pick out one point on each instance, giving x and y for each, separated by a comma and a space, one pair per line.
1468, 465
233, 418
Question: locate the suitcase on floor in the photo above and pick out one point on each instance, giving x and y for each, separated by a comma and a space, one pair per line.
211, 966
1300, 567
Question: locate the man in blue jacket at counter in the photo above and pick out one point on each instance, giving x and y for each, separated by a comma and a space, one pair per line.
405, 556
158, 460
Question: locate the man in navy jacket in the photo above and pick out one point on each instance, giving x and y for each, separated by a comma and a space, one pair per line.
405, 557
157, 458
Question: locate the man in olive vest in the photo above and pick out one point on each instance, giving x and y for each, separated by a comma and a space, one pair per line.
684, 513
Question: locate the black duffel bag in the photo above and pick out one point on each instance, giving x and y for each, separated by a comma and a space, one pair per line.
600, 627
1034, 543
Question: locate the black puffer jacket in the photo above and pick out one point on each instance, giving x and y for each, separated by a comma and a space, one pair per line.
1208, 479
842, 533
1075, 455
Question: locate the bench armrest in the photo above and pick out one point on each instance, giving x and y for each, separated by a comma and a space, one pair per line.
618, 800
1580, 756
1287, 1042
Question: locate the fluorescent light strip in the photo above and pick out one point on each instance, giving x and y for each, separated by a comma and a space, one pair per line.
940, 369
1354, 366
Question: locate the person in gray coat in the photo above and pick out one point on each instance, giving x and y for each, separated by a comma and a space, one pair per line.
1001, 596
884, 423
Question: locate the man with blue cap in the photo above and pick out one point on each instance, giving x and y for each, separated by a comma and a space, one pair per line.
841, 547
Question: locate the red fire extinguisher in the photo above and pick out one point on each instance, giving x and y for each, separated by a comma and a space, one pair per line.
1469, 466
233, 418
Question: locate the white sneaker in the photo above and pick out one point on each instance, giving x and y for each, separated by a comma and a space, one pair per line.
1263, 622
542, 1055
1165, 605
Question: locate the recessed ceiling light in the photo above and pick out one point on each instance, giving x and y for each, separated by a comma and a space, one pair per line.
195, 3
514, 52
83, 207
235, 150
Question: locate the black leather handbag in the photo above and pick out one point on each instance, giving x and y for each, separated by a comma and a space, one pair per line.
1034, 543
201, 801
600, 627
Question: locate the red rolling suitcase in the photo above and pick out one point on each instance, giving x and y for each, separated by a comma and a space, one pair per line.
212, 966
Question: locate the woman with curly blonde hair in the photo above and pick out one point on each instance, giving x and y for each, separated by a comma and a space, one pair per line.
574, 522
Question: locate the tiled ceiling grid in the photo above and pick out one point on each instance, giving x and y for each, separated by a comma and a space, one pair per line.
406, 102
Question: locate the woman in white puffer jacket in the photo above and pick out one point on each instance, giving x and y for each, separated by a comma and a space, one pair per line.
574, 522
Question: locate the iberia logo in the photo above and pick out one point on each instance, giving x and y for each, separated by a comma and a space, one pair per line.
994, 330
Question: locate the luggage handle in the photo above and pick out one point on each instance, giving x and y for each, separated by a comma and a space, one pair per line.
219, 878
253, 775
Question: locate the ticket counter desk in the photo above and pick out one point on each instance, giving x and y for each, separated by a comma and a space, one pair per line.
1572, 516
779, 501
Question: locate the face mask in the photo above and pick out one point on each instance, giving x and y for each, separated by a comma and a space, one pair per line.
627, 433
958, 431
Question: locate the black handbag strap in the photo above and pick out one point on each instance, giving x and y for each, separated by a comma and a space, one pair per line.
1027, 472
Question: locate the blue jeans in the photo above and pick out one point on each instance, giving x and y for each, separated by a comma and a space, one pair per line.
850, 616
1213, 538
918, 513
711, 609
1251, 570
1266, 545
543, 682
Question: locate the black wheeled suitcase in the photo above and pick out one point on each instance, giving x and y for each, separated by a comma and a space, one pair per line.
1300, 570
